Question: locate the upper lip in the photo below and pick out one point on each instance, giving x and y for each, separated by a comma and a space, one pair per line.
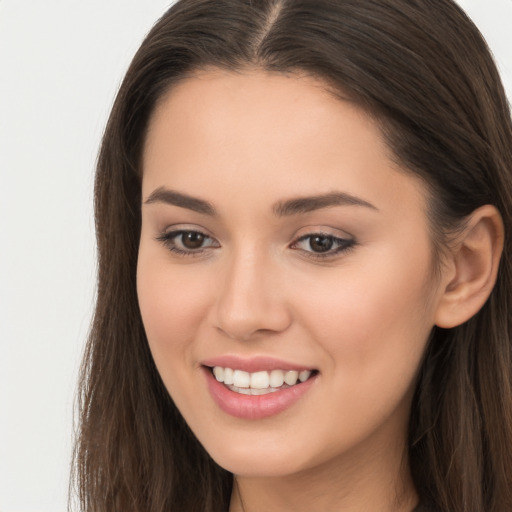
253, 364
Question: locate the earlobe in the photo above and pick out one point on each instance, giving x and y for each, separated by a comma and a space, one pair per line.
473, 268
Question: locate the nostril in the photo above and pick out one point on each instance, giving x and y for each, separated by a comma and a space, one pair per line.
249, 305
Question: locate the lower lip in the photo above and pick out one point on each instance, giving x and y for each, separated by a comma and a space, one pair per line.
255, 407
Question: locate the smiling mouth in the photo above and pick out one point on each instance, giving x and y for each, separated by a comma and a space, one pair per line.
262, 382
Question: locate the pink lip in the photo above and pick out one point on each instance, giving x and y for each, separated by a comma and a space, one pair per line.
258, 406
254, 364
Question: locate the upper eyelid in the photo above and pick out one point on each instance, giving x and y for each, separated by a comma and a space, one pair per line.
344, 237
184, 227
311, 229
175, 230
325, 230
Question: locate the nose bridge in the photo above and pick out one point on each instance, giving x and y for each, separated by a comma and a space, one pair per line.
249, 300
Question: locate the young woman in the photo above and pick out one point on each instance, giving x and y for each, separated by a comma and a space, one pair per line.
304, 270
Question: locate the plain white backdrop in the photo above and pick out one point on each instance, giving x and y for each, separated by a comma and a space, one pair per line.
61, 62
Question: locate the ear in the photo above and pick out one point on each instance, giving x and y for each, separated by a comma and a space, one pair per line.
470, 273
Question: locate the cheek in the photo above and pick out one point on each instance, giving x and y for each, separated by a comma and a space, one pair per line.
173, 308
173, 304
377, 315
373, 327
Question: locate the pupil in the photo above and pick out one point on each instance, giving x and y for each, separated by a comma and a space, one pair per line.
321, 243
193, 240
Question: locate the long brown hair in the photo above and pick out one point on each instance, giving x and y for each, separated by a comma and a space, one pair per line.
424, 71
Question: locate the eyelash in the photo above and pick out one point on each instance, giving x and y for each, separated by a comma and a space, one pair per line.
168, 240
343, 244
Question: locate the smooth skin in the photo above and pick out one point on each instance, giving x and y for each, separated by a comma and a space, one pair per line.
234, 274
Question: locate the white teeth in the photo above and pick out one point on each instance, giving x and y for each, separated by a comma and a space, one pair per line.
241, 379
228, 376
219, 373
276, 378
259, 383
255, 391
260, 380
291, 377
250, 391
303, 375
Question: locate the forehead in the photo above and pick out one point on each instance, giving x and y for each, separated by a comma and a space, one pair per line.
219, 131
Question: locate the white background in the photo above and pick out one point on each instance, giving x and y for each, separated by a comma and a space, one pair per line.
60, 65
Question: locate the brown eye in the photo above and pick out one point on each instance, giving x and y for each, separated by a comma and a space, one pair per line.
192, 239
187, 243
321, 243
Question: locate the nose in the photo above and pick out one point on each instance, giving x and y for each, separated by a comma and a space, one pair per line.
250, 300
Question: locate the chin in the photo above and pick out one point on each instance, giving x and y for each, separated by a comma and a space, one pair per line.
258, 466
261, 458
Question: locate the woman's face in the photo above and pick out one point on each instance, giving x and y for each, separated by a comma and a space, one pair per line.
281, 242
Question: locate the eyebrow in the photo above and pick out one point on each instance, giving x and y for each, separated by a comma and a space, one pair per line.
286, 208
164, 195
309, 204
